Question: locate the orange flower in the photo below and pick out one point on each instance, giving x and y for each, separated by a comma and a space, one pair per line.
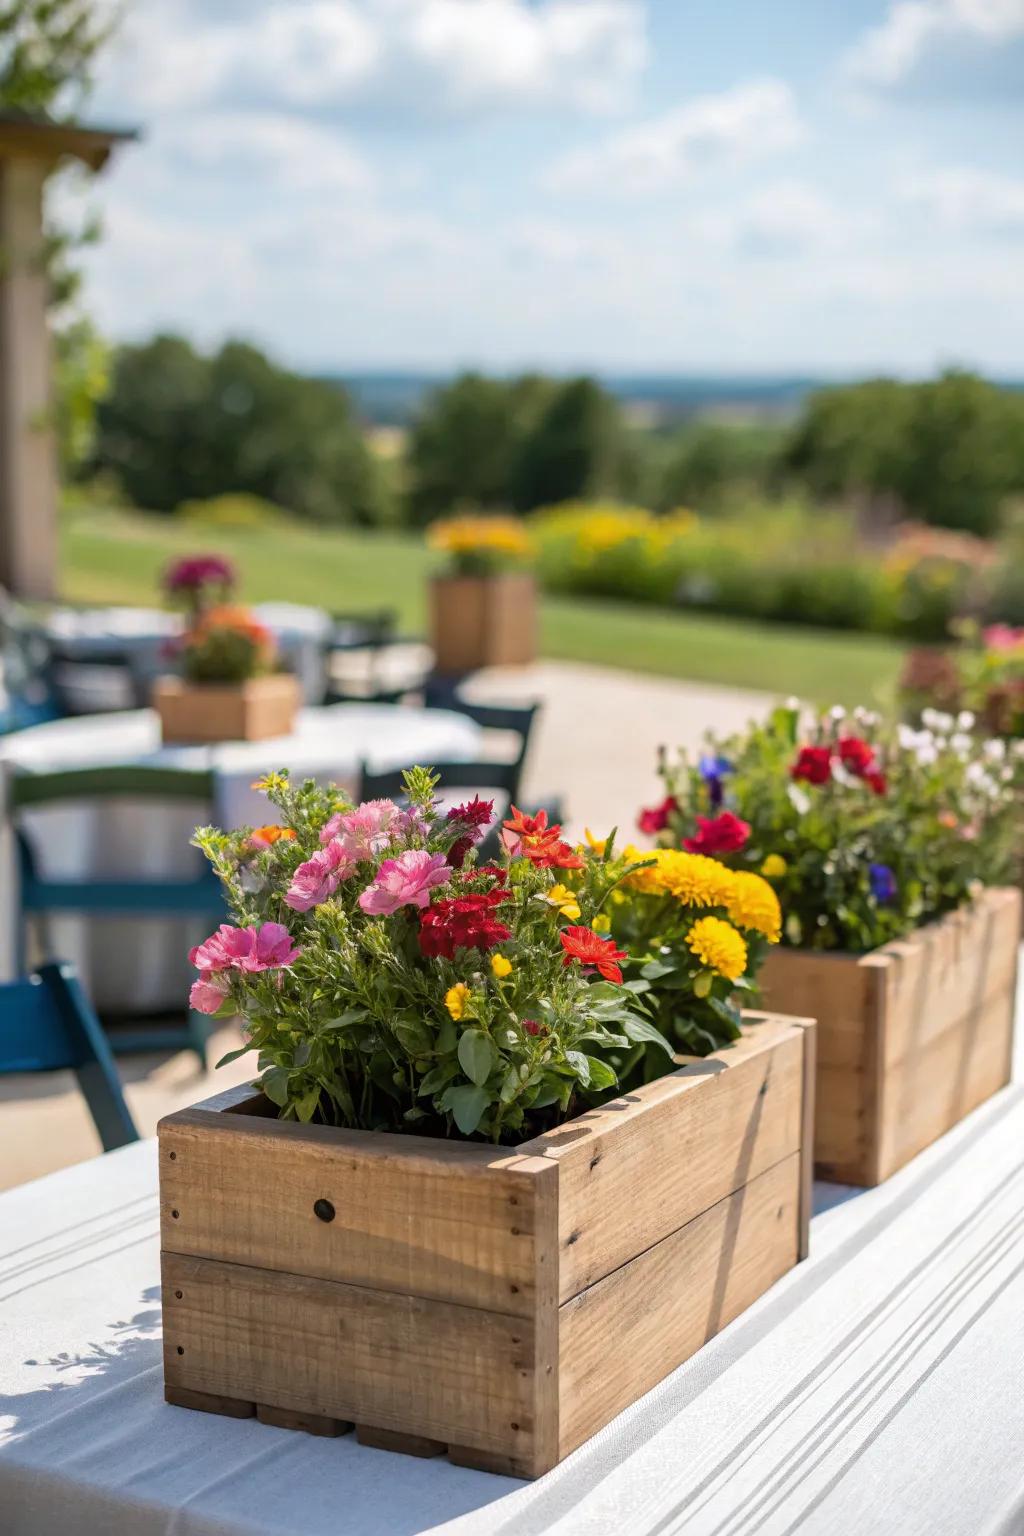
589, 948
266, 837
530, 837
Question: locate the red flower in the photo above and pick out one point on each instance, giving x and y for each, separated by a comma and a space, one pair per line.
475, 813
458, 850
656, 817
532, 1027
813, 764
877, 780
530, 837
724, 833
464, 922
585, 945
857, 755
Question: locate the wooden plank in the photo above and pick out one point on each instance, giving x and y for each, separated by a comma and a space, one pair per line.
308, 1423
641, 1167
209, 1402
405, 1445
928, 1092
400, 1363
810, 1030
455, 1221
626, 1333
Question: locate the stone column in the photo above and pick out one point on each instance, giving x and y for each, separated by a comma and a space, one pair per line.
28, 457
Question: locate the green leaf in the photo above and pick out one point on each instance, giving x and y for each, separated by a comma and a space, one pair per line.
275, 1085
233, 1055
637, 986
343, 1020
601, 1074
467, 1105
446, 1038
642, 1032
727, 1011
306, 1107
580, 1064
413, 1035
415, 1114
654, 970
477, 1056
436, 1078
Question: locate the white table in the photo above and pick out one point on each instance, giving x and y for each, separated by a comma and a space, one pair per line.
878, 1390
142, 965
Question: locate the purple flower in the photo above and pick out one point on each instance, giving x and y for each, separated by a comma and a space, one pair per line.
883, 883
405, 881
194, 572
319, 877
713, 769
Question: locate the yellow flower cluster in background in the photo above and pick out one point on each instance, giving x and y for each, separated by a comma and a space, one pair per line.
598, 528
503, 537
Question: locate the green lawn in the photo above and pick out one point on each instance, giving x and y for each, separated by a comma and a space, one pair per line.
112, 556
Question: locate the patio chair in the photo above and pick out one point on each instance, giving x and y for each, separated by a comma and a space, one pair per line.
122, 896
375, 633
47, 1025
516, 719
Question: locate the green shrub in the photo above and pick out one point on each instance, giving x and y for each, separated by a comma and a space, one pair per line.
232, 510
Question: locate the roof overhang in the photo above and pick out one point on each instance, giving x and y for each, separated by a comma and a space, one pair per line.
23, 136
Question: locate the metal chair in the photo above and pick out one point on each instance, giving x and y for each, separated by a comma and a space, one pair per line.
374, 633
123, 896
47, 1025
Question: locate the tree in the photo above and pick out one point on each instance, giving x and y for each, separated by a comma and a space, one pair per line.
709, 461
178, 426
575, 449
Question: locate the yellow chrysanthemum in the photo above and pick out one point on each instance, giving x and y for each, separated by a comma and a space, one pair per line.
596, 844
694, 879
501, 966
602, 923
774, 866
561, 897
753, 904
456, 998
649, 879
718, 946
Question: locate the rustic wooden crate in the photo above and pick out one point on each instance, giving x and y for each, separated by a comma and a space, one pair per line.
497, 1304
255, 710
911, 1037
483, 621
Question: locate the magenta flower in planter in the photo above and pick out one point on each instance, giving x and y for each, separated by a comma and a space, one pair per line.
196, 580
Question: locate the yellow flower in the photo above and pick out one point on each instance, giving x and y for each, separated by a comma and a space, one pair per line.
774, 866
501, 966
456, 998
561, 897
480, 535
719, 946
649, 879
753, 904
694, 879
602, 923
596, 844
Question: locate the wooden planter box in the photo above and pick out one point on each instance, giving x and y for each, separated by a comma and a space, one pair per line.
497, 1304
251, 711
483, 621
911, 1037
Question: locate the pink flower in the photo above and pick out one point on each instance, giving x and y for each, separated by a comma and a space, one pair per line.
1003, 637
367, 830
319, 877
208, 995
405, 881
265, 948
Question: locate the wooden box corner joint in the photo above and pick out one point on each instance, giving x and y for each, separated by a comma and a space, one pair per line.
498, 1305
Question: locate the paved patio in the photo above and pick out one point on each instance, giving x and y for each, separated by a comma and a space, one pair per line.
595, 745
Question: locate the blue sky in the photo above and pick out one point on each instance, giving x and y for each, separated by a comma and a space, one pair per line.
645, 185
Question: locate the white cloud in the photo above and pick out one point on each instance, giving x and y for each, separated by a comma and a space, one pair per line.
969, 201
750, 121
247, 148
420, 56
886, 54
789, 218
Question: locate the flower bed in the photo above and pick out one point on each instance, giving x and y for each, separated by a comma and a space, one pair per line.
886, 848
438, 1148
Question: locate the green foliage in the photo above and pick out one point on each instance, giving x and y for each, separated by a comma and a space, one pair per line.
232, 510
81, 376
225, 653
940, 821
708, 465
47, 52
178, 426
575, 448
950, 451
363, 1026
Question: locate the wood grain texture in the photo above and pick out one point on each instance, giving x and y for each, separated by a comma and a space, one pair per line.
400, 1363
483, 621
642, 1166
625, 1334
455, 1221
309, 1423
910, 1037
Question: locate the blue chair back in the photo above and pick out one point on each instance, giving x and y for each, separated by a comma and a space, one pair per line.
193, 896
48, 1025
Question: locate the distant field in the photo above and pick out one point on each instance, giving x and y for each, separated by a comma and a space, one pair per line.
112, 556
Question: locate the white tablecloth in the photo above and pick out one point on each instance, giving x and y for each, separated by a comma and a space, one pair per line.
142, 965
878, 1390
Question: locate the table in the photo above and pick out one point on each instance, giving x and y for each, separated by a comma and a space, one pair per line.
139, 635
142, 965
879, 1388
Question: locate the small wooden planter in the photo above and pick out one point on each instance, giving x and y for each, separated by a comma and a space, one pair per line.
911, 1037
483, 621
250, 711
499, 1305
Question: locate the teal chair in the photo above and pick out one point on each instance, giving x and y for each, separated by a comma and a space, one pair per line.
196, 896
47, 1025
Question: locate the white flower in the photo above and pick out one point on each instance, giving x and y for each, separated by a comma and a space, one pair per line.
936, 720
995, 749
798, 800
907, 737
837, 713
927, 754
965, 720
962, 745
